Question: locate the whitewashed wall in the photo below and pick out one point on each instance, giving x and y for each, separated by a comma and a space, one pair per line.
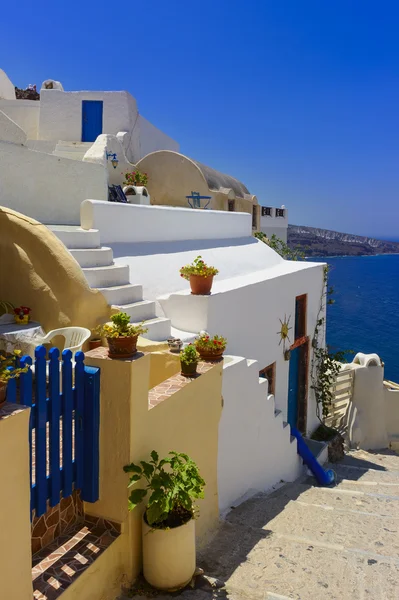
247, 310
61, 113
153, 139
46, 187
128, 223
254, 450
275, 225
7, 89
25, 113
10, 131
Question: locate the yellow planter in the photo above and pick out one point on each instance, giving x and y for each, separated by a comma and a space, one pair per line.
169, 556
21, 320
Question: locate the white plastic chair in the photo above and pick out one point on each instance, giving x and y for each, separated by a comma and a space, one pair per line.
74, 337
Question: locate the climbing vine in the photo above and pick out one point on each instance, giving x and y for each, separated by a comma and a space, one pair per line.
325, 364
280, 247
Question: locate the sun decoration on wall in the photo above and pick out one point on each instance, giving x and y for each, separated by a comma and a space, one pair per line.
284, 330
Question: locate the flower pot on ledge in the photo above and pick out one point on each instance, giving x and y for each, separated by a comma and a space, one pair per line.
122, 347
210, 355
189, 370
201, 286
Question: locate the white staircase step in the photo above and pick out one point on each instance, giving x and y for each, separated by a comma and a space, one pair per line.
158, 329
75, 237
107, 276
122, 294
93, 257
70, 155
139, 311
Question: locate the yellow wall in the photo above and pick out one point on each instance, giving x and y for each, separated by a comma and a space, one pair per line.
15, 547
173, 176
36, 270
186, 422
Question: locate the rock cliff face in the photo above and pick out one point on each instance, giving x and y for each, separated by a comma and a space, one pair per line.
323, 242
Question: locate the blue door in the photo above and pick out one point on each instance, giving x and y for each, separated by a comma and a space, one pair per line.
293, 387
92, 119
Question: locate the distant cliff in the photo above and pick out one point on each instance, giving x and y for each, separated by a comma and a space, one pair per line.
323, 242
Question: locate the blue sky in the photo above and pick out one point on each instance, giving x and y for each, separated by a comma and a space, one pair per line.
297, 98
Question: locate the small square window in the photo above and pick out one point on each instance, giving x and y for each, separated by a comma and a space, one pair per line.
269, 373
231, 205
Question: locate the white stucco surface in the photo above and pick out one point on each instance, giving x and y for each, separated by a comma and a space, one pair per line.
61, 113
254, 451
275, 225
121, 223
7, 89
153, 139
10, 131
25, 113
46, 187
247, 309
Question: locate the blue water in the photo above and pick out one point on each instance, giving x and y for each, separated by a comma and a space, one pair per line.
365, 315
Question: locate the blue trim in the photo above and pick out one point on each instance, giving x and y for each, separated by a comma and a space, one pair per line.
323, 476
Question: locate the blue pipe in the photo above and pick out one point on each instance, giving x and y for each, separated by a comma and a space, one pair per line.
323, 476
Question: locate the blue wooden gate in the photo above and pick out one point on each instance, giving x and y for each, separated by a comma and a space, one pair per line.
64, 426
92, 119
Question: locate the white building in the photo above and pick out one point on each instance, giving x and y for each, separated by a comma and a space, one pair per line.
274, 221
133, 254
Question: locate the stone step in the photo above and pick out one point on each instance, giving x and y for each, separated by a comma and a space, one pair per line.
158, 329
385, 459
122, 294
74, 237
363, 475
100, 277
139, 311
60, 564
93, 257
70, 155
252, 561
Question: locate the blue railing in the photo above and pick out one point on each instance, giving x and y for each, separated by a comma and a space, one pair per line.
64, 426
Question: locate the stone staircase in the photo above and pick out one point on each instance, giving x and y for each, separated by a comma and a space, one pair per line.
112, 280
73, 150
308, 542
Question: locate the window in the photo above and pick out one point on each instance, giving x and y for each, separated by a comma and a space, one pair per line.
267, 211
269, 373
280, 212
231, 205
300, 316
254, 217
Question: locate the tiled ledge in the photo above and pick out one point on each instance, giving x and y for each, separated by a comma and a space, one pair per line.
102, 352
167, 388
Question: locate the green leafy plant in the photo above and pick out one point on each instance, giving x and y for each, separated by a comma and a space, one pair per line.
214, 343
136, 178
120, 327
198, 267
9, 368
189, 355
325, 364
280, 247
173, 484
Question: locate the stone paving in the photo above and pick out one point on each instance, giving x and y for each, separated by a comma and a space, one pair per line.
304, 542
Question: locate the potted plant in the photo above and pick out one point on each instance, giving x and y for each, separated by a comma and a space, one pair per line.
121, 335
9, 370
200, 276
21, 315
95, 342
189, 360
168, 521
210, 347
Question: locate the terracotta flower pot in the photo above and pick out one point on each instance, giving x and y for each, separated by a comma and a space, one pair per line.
201, 286
188, 370
122, 347
210, 354
3, 393
94, 344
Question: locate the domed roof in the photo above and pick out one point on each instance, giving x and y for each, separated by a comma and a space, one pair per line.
217, 180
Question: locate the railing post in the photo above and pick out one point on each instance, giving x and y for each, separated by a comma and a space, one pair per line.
54, 425
40, 432
79, 415
91, 428
67, 423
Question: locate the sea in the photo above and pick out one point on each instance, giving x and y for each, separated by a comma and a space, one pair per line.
365, 314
